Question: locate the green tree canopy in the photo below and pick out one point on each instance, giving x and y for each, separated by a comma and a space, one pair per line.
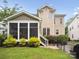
63, 39
6, 11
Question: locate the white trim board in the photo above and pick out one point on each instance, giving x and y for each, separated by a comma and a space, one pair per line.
28, 28
23, 12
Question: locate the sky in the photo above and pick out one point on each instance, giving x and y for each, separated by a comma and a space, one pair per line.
68, 7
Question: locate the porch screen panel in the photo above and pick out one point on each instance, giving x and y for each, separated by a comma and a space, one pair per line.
13, 30
24, 30
33, 29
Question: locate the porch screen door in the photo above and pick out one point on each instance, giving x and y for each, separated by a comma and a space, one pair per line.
13, 29
33, 29
24, 30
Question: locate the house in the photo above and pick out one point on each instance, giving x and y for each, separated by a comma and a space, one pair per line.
73, 28
2, 28
52, 23
45, 22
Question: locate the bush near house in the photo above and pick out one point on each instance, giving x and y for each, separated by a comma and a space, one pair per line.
1, 40
52, 39
58, 40
34, 42
22, 42
63, 39
10, 41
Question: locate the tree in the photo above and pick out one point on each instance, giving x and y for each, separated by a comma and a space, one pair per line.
6, 11
67, 23
66, 30
63, 39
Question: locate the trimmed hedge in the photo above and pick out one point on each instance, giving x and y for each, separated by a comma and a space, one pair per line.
52, 39
61, 39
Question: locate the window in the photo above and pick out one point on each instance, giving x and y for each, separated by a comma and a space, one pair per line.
72, 36
44, 31
33, 30
13, 27
61, 21
72, 27
54, 20
48, 31
57, 31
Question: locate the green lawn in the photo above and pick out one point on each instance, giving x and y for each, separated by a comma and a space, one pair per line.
32, 53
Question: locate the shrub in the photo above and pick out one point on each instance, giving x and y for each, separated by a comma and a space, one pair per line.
10, 41
22, 42
52, 39
63, 39
1, 39
34, 42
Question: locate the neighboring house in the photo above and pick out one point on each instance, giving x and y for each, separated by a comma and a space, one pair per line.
45, 22
73, 28
2, 28
52, 23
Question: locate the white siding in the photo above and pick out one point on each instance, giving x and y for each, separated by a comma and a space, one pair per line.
74, 29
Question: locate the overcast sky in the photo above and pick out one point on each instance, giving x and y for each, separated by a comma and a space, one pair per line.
67, 7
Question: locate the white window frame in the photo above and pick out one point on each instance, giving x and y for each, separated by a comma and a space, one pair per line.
19, 28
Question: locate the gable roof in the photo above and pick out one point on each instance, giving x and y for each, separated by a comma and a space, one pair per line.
23, 12
72, 19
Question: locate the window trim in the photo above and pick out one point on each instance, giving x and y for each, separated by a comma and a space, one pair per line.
46, 31
61, 20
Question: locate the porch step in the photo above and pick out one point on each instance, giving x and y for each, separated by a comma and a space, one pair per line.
44, 41
42, 44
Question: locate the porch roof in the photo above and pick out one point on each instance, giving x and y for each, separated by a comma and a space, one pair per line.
23, 12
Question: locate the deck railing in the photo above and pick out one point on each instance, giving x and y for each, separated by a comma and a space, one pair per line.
44, 40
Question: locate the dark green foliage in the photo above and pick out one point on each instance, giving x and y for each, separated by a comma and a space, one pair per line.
66, 30
6, 11
63, 39
1, 39
52, 39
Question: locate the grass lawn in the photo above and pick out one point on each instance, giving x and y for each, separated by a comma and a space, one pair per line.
32, 53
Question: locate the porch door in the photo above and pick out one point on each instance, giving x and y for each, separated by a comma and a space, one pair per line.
24, 30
